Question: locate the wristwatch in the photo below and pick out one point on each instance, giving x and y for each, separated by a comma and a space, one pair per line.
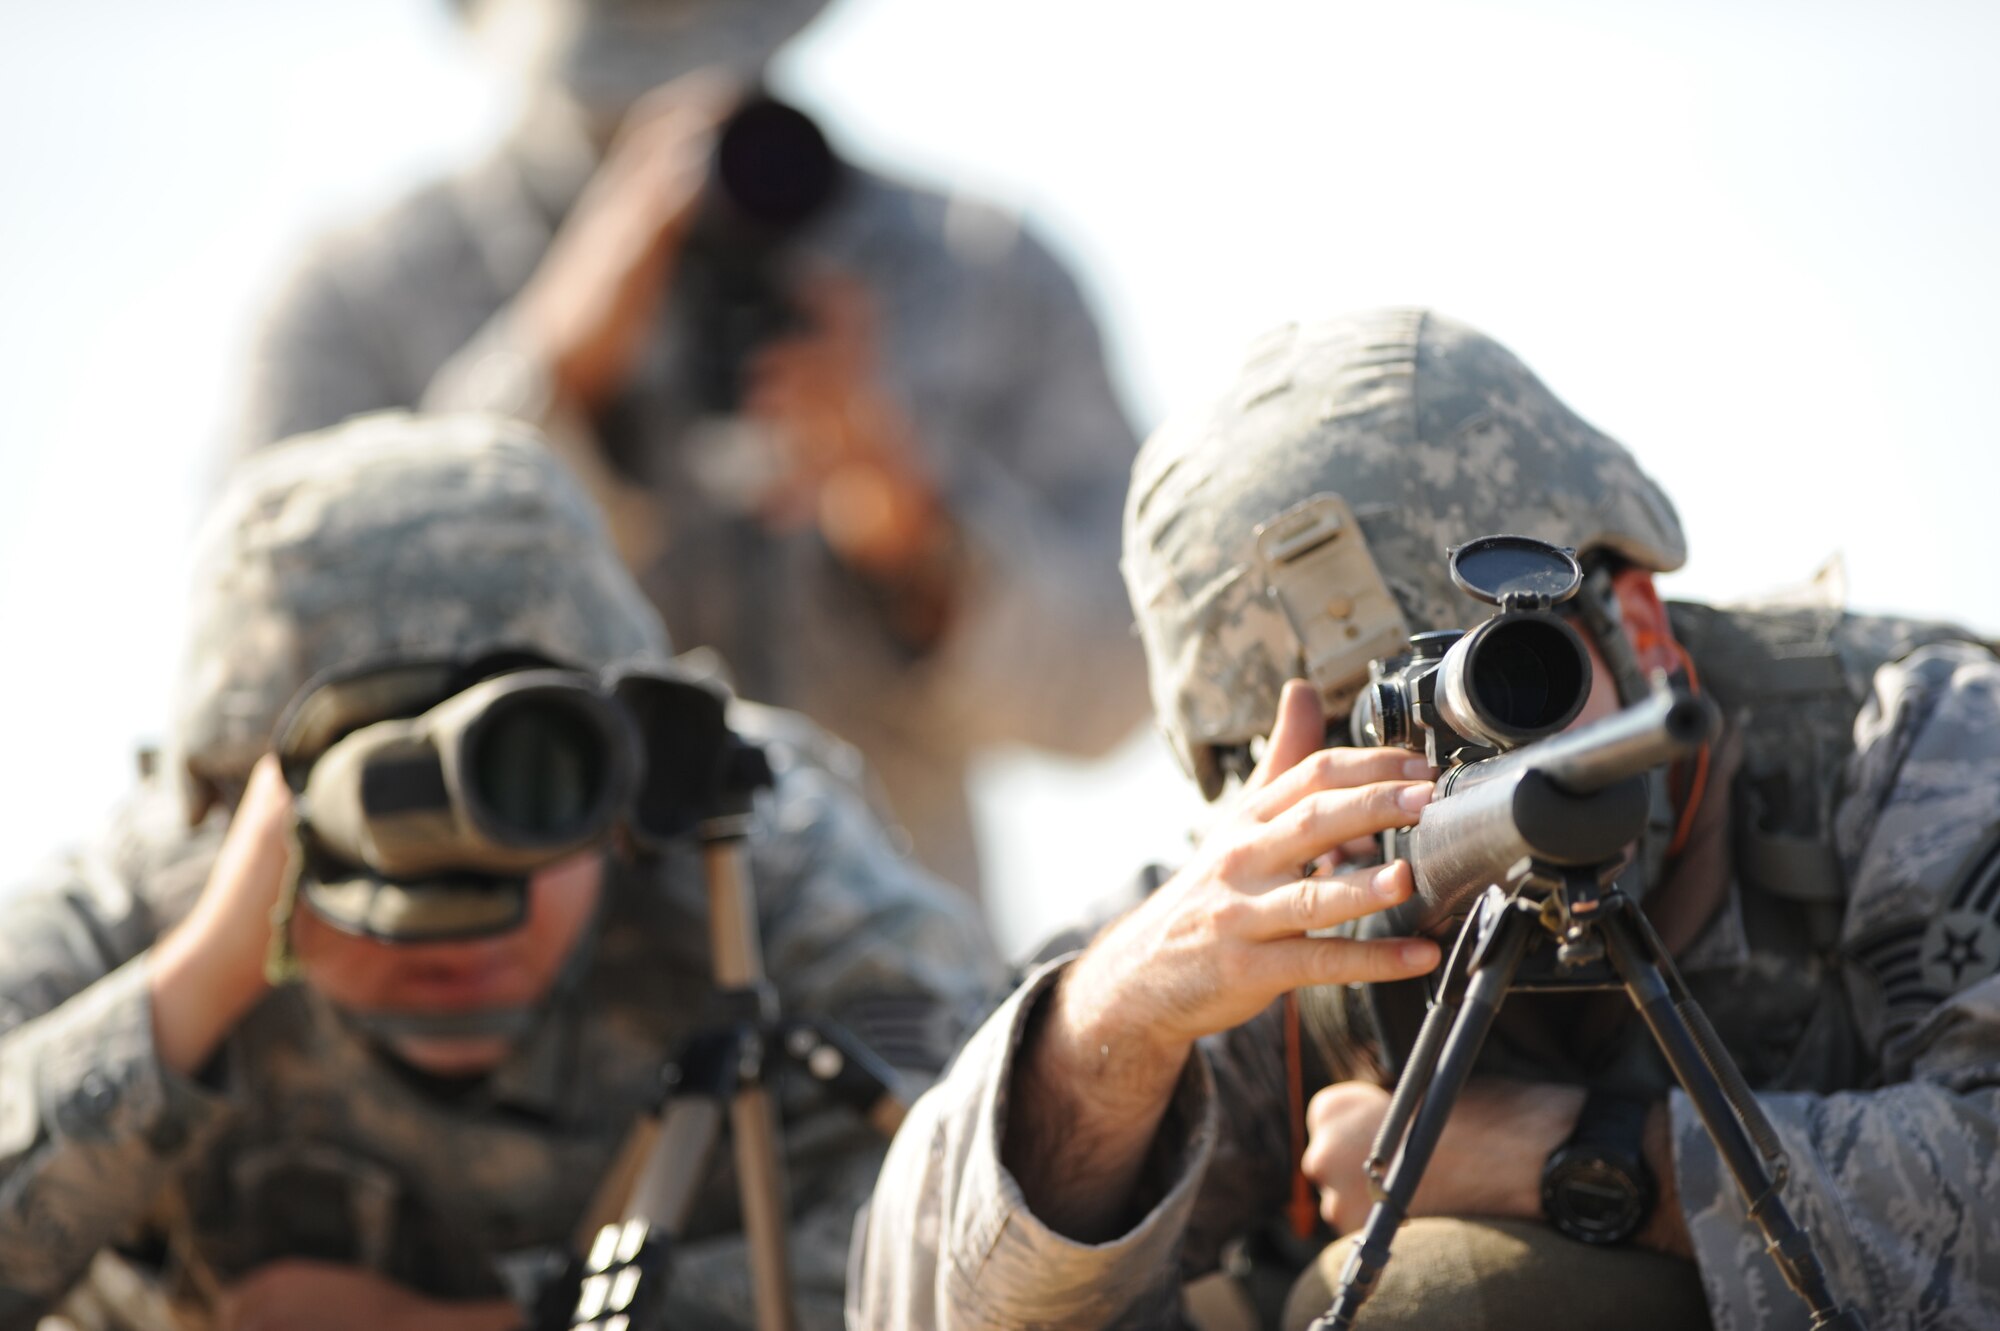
1595, 1186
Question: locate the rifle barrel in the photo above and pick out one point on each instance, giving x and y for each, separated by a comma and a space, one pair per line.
1648, 735
1573, 799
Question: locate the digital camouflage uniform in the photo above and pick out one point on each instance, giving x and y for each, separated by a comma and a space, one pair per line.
400, 537
985, 344
1850, 958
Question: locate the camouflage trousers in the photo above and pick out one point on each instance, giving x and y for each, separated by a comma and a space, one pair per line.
1508, 1275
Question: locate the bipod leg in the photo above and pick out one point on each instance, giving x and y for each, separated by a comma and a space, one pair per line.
1495, 958
1727, 1110
1438, 1021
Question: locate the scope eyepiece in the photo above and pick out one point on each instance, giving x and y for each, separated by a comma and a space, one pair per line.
1516, 678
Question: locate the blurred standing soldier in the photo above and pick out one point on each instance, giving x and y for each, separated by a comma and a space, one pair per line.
409, 1134
906, 529
1828, 876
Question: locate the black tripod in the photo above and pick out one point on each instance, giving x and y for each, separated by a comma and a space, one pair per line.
1560, 929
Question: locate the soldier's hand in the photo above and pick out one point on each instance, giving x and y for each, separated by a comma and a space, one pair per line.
854, 467
1341, 1122
296, 1295
1227, 934
1213, 947
1488, 1161
591, 304
209, 969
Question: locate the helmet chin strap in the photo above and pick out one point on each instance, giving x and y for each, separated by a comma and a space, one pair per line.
1597, 604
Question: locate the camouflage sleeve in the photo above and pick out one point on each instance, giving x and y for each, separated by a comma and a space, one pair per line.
948, 1242
1900, 1185
491, 373
90, 1121
1042, 652
854, 930
312, 363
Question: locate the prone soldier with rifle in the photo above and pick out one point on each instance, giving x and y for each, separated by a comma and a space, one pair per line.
1800, 898
434, 947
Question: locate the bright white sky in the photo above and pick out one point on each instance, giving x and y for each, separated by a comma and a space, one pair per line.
1756, 242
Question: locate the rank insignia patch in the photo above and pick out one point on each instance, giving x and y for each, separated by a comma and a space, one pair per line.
1920, 966
1962, 945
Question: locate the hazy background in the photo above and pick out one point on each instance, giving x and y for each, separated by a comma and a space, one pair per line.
1754, 241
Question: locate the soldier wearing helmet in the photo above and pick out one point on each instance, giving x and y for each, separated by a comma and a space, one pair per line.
902, 520
255, 1072
1826, 874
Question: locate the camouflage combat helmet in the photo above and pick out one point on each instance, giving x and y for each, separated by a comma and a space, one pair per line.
1420, 432
392, 536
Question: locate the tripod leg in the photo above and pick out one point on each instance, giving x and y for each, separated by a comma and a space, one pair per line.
737, 954
1637, 955
664, 1192
1492, 971
753, 1129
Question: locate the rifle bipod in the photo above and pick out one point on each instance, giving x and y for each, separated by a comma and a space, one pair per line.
1561, 926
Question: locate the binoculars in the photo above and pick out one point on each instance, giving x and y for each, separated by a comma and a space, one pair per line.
460, 780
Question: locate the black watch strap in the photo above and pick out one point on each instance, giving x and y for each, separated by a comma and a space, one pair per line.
1613, 1121
1596, 1186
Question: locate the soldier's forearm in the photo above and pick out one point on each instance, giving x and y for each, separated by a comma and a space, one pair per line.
208, 972
90, 1124
1086, 1103
195, 1002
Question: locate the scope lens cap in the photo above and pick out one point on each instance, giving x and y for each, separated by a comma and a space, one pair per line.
1520, 569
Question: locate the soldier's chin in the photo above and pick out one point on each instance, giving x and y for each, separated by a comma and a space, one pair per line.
467, 1057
